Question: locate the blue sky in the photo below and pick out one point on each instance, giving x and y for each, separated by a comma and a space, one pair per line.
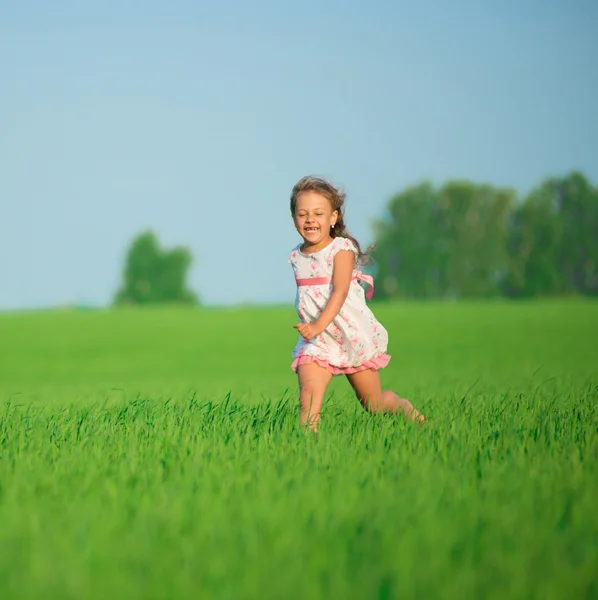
195, 119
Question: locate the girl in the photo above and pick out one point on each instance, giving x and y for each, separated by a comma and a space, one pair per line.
339, 335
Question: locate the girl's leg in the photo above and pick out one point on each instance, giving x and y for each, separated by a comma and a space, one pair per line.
366, 385
313, 381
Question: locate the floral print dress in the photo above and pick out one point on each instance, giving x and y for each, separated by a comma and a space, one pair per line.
354, 341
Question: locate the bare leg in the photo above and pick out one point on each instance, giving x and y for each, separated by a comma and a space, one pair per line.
313, 381
368, 390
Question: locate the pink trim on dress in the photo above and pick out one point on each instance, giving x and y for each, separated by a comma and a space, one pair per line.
307, 281
379, 362
358, 276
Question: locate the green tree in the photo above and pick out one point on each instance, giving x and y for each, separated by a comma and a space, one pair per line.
449, 242
152, 275
553, 239
576, 203
535, 234
407, 250
473, 226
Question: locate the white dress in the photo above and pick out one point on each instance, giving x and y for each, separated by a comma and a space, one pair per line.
355, 340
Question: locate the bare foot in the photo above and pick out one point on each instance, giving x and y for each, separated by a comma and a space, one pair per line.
413, 414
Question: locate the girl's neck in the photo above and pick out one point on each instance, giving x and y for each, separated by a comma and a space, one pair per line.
311, 248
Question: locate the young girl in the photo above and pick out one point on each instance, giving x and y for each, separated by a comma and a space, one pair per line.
339, 335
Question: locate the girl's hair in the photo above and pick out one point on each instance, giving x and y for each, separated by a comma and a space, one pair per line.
336, 197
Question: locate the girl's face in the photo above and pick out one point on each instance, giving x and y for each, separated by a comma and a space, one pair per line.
314, 218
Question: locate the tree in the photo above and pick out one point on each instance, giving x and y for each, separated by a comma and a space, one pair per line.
473, 223
449, 242
576, 203
553, 239
535, 233
406, 252
153, 276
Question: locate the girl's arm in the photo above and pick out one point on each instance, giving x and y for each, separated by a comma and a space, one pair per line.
344, 262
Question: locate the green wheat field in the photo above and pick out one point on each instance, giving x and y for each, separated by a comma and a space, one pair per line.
156, 453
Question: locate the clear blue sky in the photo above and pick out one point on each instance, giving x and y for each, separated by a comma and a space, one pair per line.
195, 119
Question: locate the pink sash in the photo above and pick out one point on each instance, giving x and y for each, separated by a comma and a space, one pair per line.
358, 276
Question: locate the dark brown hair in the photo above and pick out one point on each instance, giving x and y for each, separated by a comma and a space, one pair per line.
336, 197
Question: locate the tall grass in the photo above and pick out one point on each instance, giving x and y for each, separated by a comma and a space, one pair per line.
156, 454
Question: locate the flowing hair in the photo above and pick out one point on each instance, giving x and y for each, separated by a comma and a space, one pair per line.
337, 198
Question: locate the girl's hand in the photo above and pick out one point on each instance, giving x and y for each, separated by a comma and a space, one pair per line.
308, 330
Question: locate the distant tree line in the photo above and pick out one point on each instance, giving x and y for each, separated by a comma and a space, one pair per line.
468, 240
460, 240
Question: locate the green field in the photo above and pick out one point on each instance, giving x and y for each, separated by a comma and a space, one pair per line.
155, 454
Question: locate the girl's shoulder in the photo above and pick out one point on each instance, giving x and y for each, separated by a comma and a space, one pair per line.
339, 244
342, 243
295, 254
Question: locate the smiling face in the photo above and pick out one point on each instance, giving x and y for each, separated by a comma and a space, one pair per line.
314, 218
